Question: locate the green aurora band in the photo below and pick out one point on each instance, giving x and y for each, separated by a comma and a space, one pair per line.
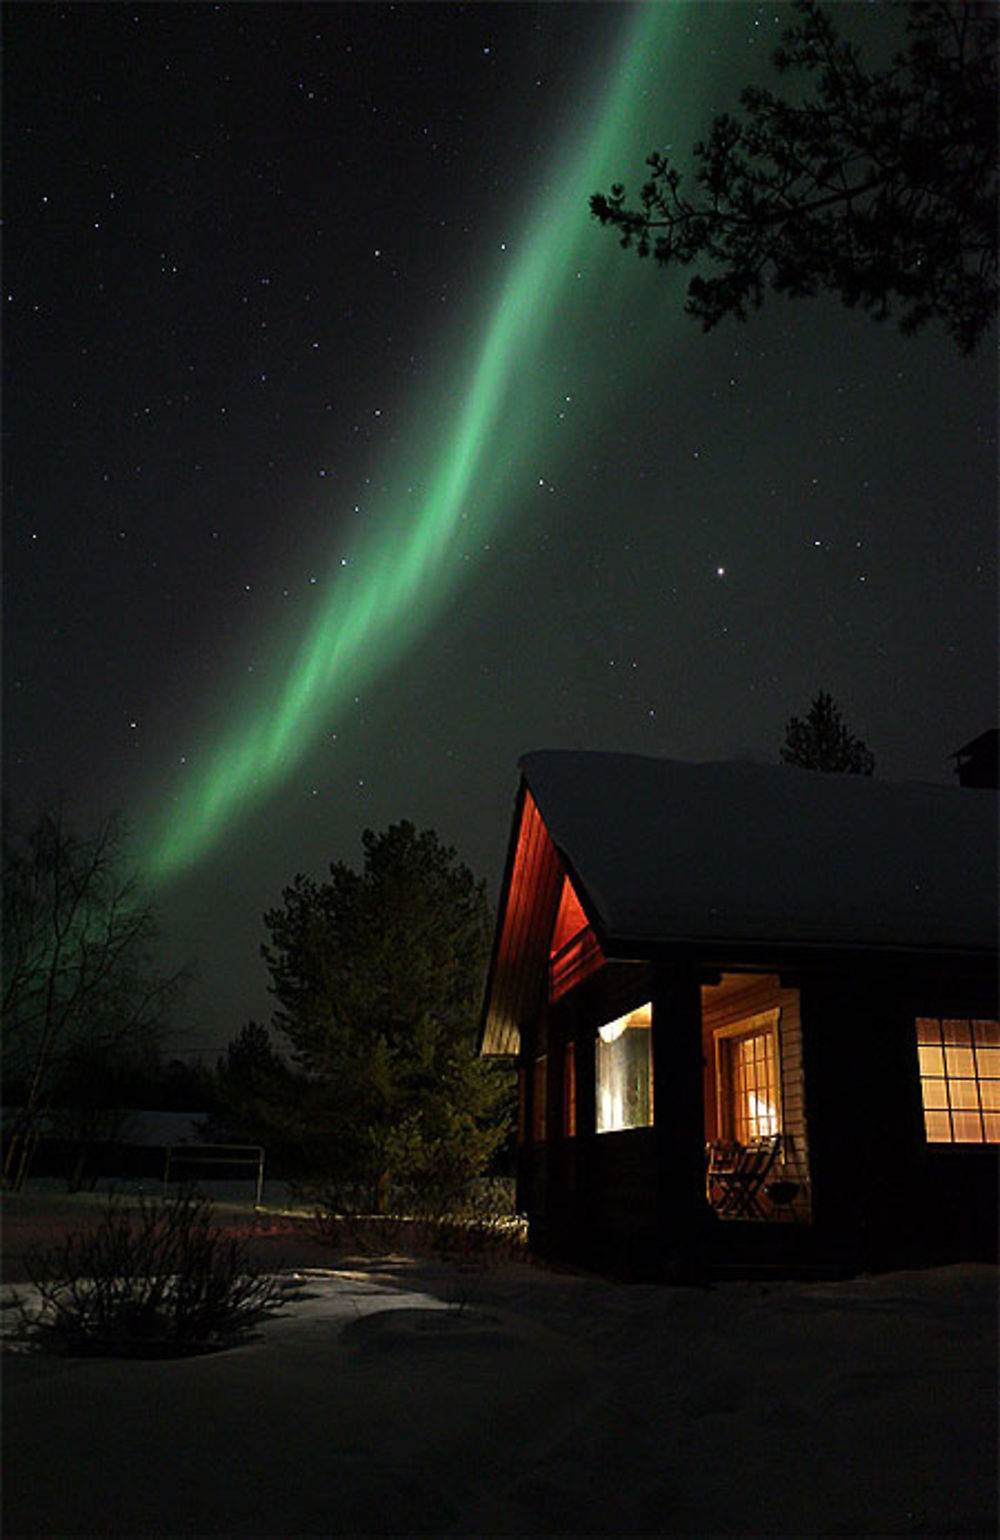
419, 546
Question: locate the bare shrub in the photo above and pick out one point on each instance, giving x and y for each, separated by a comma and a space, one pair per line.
477, 1224
157, 1280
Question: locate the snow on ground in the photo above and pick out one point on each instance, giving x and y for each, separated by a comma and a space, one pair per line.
410, 1398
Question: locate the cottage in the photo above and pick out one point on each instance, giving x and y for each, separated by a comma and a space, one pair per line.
754, 1010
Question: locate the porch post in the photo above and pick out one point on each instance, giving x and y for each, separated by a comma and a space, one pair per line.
679, 1117
522, 1181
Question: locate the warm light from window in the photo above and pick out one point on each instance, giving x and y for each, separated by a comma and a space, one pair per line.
624, 1072
749, 1085
755, 1086
612, 1030
762, 1114
960, 1079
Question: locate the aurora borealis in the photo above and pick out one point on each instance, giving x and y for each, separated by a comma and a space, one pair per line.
347, 458
501, 399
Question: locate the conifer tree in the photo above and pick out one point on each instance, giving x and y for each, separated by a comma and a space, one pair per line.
877, 185
378, 979
822, 742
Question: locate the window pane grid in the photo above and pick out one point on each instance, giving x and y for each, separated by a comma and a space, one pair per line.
754, 1087
960, 1079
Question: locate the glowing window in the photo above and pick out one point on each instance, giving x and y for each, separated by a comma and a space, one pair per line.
624, 1072
749, 1097
960, 1079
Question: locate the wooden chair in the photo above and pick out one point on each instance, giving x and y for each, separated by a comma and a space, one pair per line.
721, 1156
739, 1186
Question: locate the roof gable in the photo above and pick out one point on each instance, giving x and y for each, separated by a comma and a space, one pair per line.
574, 951
528, 905
662, 849
659, 851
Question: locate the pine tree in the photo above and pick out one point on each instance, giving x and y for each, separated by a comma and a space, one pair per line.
877, 185
822, 742
378, 978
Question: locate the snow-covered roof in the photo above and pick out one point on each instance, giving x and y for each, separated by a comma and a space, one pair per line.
734, 851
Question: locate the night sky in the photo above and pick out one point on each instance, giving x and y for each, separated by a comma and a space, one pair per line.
347, 458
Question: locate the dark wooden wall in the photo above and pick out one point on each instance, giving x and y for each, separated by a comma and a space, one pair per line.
876, 1194
881, 1193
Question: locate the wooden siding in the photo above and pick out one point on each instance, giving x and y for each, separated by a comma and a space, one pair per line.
872, 1191
574, 962
518, 968
795, 1127
593, 1198
622, 1192
881, 1194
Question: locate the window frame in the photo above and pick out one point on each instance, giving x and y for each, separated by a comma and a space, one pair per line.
941, 1066
724, 1039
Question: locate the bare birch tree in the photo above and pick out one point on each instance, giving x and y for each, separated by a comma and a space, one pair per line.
78, 969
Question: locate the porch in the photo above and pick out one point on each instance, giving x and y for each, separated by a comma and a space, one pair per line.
617, 1156
756, 1141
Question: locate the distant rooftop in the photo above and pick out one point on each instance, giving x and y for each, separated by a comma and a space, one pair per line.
977, 762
